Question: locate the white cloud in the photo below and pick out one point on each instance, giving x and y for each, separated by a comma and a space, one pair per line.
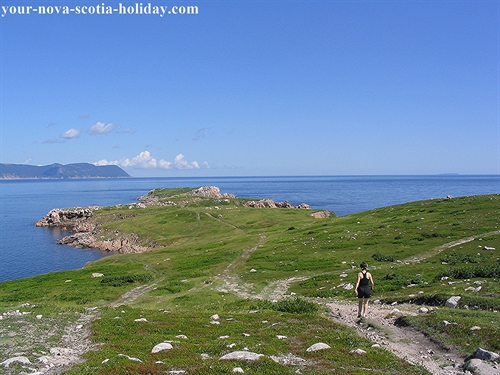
102, 128
180, 163
145, 161
71, 133
165, 164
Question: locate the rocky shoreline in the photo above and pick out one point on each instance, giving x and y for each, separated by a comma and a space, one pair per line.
87, 235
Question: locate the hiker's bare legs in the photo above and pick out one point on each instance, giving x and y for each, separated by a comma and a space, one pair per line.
365, 307
360, 307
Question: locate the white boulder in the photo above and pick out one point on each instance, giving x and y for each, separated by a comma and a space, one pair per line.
241, 355
452, 302
318, 346
162, 346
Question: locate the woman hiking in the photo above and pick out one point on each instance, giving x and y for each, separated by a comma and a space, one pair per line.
363, 289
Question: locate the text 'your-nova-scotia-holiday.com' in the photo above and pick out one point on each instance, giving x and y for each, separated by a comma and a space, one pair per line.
99, 9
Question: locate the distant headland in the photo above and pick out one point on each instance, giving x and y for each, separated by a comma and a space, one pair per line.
59, 171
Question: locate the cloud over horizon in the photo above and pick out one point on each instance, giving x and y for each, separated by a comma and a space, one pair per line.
145, 161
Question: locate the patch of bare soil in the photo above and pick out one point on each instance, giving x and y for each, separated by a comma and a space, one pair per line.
43, 345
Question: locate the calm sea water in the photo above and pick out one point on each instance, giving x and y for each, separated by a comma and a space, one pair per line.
26, 250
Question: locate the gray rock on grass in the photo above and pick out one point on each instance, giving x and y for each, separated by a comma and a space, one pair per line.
452, 302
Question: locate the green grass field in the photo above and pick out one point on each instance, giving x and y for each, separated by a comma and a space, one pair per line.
419, 252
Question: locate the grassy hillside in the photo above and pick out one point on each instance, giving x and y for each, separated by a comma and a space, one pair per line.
215, 256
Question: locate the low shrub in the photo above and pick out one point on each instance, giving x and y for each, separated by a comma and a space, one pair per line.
126, 279
469, 272
383, 258
462, 258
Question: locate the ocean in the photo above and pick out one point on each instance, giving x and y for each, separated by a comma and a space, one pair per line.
26, 250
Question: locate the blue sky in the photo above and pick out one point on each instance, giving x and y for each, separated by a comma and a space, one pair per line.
255, 87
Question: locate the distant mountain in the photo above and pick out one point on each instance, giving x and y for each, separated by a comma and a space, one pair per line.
59, 171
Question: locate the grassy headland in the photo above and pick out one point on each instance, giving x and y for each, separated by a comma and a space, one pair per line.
215, 256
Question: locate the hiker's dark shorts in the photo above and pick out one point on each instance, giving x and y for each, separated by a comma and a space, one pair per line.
364, 292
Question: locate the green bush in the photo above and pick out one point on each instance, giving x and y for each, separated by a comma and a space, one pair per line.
462, 258
383, 258
127, 279
469, 272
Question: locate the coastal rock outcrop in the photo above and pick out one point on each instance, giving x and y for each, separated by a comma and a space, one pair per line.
151, 199
85, 234
210, 192
66, 217
321, 214
269, 203
88, 240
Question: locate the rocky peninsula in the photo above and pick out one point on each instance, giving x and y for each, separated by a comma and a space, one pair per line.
88, 234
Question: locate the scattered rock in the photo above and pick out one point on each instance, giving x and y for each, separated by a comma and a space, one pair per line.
162, 346
238, 370
140, 320
318, 346
288, 359
20, 359
348, 286
96, 274
480, 367
130, 358
486, 355
241, 355
452, 302
358, 351
475, 328
423, 310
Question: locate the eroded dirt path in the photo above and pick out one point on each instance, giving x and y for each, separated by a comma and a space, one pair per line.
449, 245
381, 326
